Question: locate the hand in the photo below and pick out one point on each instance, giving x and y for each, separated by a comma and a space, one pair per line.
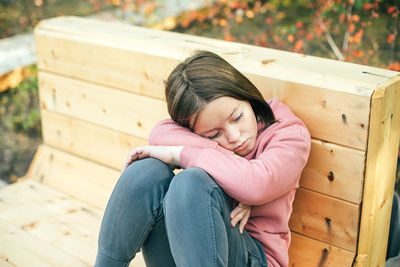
168, 154
240, 213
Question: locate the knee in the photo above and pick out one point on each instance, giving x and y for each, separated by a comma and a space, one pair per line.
190, 186
144, 175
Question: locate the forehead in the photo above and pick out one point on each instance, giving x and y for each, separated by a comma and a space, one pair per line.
216, 113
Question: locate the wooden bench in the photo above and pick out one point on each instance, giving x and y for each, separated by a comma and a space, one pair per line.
101, 92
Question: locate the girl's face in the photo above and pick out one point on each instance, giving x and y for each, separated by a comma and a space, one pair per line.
230, 122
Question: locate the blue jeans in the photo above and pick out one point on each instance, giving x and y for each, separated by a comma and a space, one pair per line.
176, 220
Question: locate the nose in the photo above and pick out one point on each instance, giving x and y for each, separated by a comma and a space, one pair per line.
233, 134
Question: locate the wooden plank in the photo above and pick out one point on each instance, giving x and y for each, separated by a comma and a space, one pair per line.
54, 217
337, 118
21, 248
63, 172
119, 110
327, 219
335, 171
4, 261
305, 251
380, 171
328, 72
90, 141
334, 105
61, 221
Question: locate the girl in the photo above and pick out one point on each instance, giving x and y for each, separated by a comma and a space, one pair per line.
242, 158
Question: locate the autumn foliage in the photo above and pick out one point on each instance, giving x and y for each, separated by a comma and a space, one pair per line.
360, 31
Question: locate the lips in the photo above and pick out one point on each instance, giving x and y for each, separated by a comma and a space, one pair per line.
241, 146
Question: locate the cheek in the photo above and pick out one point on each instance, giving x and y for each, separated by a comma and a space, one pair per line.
222, 142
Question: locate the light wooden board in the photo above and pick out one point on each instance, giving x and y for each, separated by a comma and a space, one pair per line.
307, 252
24, 249
155, 42
116, 109
99, 144
380, 171
46, 218
334, 104
85, 180
335, 171
324, 218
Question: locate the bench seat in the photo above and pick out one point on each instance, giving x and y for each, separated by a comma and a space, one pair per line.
41, 226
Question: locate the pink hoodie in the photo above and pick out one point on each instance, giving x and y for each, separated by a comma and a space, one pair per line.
266, 178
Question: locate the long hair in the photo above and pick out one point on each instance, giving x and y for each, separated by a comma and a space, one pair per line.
204, 77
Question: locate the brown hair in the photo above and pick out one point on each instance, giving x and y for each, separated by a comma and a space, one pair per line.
204, 77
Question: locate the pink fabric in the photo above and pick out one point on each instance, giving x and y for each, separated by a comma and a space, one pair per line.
266, 178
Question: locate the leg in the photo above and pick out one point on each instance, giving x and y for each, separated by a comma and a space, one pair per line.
393, 252
197, 218
133, 211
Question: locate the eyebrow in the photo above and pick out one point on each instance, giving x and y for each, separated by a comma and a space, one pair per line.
228, 119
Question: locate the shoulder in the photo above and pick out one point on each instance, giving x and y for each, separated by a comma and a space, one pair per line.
288, 127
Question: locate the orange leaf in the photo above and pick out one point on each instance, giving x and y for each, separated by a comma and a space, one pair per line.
394, 66
249, 14
223, 22
299, 25
351, 28
391, 9
298, 45
269, 20
355, 18
290, 38
357, 53
309, 36
228, 37
390, 38
367, 6
358, 36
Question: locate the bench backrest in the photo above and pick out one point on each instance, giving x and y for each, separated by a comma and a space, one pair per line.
102, 90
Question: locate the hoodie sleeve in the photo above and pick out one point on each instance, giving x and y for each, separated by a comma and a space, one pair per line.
273, 173
169, 133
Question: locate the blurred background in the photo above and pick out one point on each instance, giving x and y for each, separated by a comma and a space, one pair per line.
359, 31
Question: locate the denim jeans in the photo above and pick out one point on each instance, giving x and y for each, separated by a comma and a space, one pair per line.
176, 220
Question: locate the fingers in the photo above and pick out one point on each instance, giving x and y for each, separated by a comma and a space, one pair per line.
243, 222
135, 154
240, 214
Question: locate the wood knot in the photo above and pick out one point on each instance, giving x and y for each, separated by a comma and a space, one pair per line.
324, 257
331, 176
139, 124
267, 61
328, 220
344, 118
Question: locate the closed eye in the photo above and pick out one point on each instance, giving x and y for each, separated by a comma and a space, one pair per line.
239, 117
215, 135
